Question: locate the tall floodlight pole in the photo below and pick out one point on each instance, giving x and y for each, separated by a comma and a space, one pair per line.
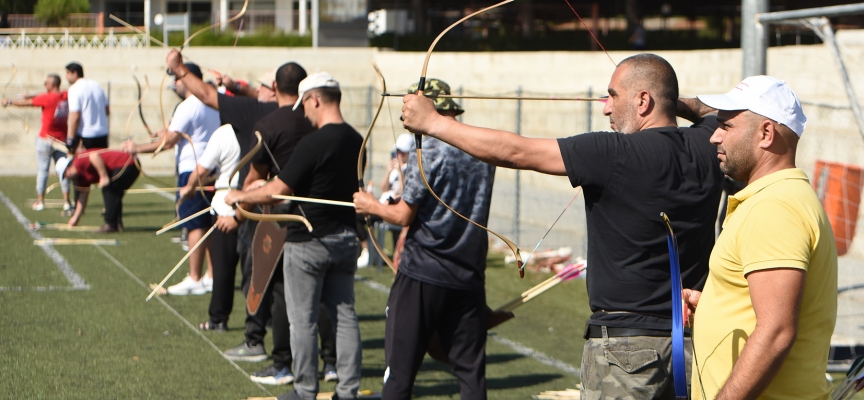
754, 38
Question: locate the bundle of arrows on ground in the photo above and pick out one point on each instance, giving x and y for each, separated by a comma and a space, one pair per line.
853, 383
569, 272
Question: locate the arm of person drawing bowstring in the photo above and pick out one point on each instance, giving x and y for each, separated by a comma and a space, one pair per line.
259, 195
189, 190
776, 295
692, 109
500, 148
399, 213
150, 147
200, 89
99, 165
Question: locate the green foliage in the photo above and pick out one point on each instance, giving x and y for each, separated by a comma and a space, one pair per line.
53, 12
261, 38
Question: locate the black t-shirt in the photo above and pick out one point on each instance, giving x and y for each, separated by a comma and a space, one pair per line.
280, 130
323, 166
628, 180
441, 248
242, 113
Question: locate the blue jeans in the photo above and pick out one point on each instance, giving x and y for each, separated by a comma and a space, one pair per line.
44, 154
315, 272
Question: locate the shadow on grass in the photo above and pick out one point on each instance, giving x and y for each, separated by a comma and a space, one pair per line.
502, 358
441, 387
371, 317
377, 343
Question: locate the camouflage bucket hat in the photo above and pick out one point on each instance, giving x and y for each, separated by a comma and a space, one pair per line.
435, 87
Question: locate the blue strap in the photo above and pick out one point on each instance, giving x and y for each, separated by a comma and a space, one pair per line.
679, 365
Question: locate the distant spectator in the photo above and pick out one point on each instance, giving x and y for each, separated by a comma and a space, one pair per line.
55, 110
88, 111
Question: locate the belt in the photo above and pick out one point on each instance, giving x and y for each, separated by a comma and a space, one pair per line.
596, 332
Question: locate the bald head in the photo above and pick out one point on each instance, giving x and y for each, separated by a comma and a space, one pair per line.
655, 75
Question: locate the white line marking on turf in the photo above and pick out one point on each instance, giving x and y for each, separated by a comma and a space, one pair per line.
37, 288
515, 346
529, 352
176, 314
73, 277
161, 194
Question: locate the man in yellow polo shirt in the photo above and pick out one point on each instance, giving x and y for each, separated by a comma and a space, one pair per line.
768, 309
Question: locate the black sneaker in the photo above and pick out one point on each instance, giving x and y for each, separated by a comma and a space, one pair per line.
273, 375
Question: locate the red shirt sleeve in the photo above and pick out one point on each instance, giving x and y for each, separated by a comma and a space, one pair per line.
41, 100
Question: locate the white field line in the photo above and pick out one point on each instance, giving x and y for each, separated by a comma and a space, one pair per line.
176, 314
515, 346
161, 194
70, 274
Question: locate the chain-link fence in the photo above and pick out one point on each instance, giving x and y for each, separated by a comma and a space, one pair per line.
524, 204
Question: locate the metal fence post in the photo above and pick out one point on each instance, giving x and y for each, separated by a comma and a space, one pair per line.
518, 197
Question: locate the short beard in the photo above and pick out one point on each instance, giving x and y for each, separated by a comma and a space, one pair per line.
626, 123
741, 165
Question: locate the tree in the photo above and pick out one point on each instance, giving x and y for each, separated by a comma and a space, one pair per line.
54, 12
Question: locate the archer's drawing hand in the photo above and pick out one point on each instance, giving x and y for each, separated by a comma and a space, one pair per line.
691, 300
418, 114
364, 203
234, 196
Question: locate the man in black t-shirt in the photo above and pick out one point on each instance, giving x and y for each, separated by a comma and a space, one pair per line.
440, 283
649, 166
319, 265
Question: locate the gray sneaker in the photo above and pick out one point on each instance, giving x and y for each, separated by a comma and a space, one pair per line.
245, 352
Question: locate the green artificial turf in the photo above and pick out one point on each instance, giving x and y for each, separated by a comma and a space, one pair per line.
107, 342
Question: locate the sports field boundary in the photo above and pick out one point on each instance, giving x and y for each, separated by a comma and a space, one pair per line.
178, 315
515, 346
74, 279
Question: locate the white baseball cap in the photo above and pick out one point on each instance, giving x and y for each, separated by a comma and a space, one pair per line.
314, 81
763, 95
267, 78
60, 166
404, 142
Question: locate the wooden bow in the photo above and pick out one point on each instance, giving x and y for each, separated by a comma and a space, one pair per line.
5, 88
360, 169
419, 139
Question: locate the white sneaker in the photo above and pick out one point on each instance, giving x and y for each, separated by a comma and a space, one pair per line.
39, 206
208, 283
67, 207
363, 260
187, 286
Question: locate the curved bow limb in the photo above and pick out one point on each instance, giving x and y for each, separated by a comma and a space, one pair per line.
360, 169
5, 88
419, 138
273, 217
227, 21
141, 95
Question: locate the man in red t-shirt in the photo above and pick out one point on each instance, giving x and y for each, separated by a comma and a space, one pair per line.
114, 171
55, 110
